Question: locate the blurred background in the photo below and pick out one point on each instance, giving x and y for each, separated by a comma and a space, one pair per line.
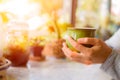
31, 24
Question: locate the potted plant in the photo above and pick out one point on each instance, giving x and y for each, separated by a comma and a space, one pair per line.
36, 48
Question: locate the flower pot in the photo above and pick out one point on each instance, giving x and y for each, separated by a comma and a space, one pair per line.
36, 53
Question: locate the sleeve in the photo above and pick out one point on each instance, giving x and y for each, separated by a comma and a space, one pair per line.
112, 64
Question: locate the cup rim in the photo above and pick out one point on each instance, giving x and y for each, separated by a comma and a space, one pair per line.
77, 28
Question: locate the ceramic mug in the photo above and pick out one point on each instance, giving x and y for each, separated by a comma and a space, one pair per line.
76, 33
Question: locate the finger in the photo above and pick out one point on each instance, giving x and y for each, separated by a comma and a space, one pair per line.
71, 56
80, 57
77, 46
69, 53
74, 56
87, 62
64, 45
91, 41
66, 50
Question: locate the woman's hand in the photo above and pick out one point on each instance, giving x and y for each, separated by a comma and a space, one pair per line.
98, 53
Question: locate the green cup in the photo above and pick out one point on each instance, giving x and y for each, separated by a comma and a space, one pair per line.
76, 33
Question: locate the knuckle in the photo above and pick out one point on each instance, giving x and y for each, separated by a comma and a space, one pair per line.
98, 41
86, 39
71, 55
90, 53
89, 57
76, 45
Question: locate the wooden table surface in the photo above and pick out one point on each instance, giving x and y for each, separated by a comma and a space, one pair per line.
56, 70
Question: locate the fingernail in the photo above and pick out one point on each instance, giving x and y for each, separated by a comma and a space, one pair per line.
63, 44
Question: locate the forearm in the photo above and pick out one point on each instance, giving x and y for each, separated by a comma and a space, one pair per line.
112, 64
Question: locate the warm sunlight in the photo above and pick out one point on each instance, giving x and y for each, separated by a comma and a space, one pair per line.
20, 8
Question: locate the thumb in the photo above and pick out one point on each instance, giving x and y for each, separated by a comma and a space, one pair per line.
91, 41
77, 46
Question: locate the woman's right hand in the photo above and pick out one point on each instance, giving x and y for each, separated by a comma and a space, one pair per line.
98, 53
